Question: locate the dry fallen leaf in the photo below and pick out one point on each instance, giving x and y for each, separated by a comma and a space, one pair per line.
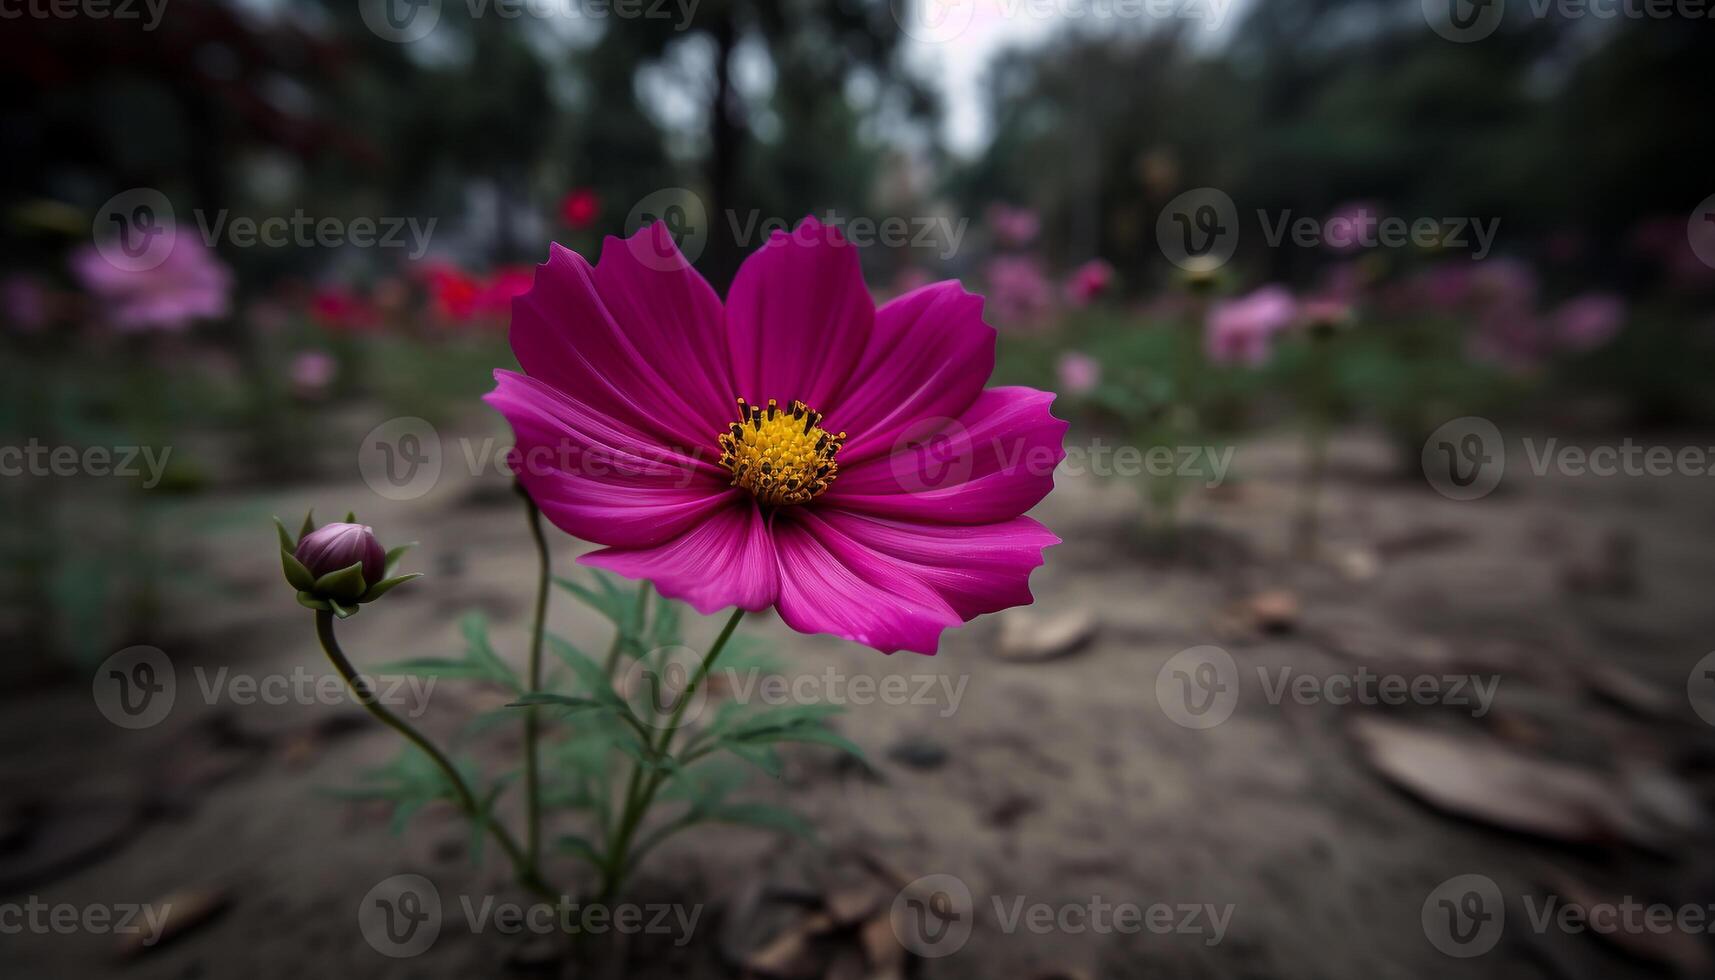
1272, 611
1483, 780
1030, 636
1681, 951
796, 954
181, 911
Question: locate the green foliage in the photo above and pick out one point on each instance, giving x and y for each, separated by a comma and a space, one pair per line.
410, 782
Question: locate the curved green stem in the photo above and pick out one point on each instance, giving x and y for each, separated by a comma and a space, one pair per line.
526, 871
638, 799
532, 721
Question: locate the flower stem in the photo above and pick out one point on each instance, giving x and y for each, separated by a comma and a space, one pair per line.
638, 800
527, 875
532, 722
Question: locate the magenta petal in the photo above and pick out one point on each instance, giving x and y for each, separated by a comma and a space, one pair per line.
930, 355
993, 463
599, 478
631, 358
727, 560
798, 317
976, 569
831, 583
674, 317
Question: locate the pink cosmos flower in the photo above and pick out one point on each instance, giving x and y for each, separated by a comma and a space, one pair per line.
1087, 282
795, 448
189, 284
1079, 372
1013, 227
1587, 322
1019, 289
312, 371
1242, 330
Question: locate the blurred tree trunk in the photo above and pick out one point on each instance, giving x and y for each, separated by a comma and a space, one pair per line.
726, 136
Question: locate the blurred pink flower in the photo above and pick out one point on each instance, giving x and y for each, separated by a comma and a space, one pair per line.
1087, 282
1589, 321
1013, 227
312, 371
1241, 330
1019, 289
1351, 226
189, 284
25, 299
1325, 311
1504, 283
1513, 339
1079, 372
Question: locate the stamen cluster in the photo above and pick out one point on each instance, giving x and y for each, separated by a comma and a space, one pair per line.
781, 457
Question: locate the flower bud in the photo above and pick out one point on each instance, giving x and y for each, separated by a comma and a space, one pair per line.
332, 547
338, 566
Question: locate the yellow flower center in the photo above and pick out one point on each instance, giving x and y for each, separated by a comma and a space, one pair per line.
781, 457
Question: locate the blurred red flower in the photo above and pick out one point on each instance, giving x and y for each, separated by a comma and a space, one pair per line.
341, 309
580, 208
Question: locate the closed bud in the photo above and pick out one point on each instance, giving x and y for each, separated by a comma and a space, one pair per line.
332, 547
337, 566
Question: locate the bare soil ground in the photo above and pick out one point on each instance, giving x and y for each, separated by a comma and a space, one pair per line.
1062, 781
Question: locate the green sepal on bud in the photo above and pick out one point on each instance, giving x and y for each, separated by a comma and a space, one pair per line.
338, 567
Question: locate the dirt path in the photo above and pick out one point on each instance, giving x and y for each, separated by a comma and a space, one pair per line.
1280, 851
